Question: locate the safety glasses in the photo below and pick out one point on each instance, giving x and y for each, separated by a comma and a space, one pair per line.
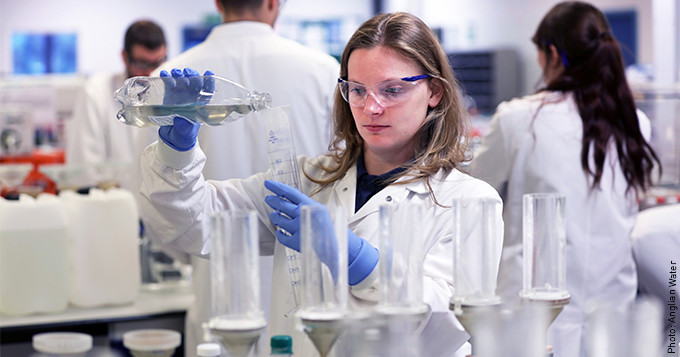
387, 93
146, 65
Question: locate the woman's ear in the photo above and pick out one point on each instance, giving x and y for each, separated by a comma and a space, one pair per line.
437, 92
555, 59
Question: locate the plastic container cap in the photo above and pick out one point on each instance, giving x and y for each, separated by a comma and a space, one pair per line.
62, 342
208, 349
281, 344
152, 340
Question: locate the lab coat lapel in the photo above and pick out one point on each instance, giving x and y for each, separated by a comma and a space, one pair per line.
390, 195
345, 191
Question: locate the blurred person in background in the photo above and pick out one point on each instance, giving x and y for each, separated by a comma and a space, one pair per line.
246, 49
580, 136
94, 135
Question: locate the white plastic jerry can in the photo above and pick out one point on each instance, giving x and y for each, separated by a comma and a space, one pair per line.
104, 247
34, 256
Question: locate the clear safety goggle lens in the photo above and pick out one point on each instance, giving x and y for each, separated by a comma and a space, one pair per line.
387, 93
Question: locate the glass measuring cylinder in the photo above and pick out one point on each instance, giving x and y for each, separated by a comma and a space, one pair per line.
323, 307
234, 270
324, 254
477, 240
283, 167
401, 259
544, 243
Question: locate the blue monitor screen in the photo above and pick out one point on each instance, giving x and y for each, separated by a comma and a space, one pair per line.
44, 53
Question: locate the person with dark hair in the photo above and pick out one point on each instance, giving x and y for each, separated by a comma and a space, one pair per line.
580, 136
93, 134
399, 134
144, 48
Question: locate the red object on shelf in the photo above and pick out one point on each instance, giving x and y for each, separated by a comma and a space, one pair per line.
38, 157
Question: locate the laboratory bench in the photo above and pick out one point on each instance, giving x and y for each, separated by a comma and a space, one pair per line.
155, 307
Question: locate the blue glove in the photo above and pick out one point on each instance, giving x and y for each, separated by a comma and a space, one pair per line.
184, 87
362, 256
187, 87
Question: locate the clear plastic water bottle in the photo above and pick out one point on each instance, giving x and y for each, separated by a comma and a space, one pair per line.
212, 100
282, 346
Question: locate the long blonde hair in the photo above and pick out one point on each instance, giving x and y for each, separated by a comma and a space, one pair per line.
441, 141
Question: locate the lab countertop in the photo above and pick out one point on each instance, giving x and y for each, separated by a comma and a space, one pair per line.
148, 303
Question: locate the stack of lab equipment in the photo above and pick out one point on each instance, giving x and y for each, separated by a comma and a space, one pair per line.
477, 244
237, 320
323, 311
152, 342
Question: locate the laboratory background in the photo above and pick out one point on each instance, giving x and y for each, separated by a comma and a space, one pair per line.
48, 50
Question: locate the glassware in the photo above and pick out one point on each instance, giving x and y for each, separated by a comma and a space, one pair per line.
237, 318
72, 344
12, 176
402, 313
324, 276
477, 237
283, 167
62, 175
477, 242
212, 100
544, 243
401, 259
152, 342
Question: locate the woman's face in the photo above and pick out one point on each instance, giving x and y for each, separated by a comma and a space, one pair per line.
388, 131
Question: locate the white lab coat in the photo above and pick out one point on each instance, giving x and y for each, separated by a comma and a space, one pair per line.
656, 249
93, 135
178, 200
253, 55
525, 152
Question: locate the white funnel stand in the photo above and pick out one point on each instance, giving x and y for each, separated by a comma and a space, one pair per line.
477, 243
237, 318
324, 276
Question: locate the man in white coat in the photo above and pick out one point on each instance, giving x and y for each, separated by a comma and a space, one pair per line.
93, 135
246, 49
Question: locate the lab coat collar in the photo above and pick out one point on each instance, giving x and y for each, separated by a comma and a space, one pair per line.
345, 192
239, 29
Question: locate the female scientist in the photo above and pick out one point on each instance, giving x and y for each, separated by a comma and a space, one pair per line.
399, 126
582, 137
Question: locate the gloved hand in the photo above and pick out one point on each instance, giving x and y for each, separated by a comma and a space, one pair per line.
187, 86
362, 256
184, 87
